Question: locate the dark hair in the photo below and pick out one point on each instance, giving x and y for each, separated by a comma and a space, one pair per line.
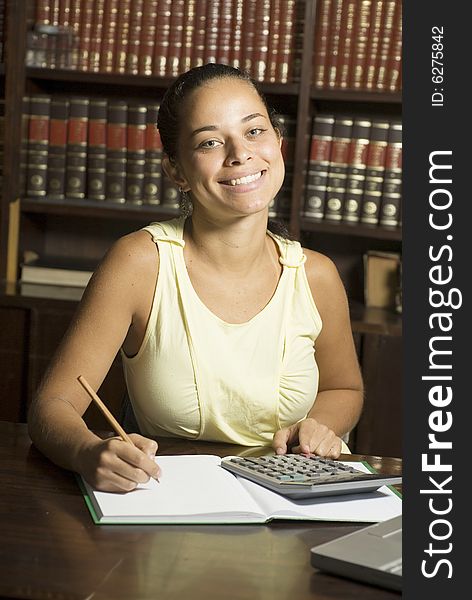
168, 118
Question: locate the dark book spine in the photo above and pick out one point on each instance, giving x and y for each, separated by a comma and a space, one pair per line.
394, 63
38, 144
170, 194
134, 35
76, 158
284, 69
152, 158
392, 187
247, 39
198, 51
115, 187
373, 43
96, 34
122, 35
176, 27
75, 17
334, 39
361, 36
57, 148
261, 40
211, 35
386, 34
85, 32
274, 41
374, 173
356, 170
346, 41
147, 37
320, 54
135, 157
337, 176
280, 206
24, 144
97, 149
295, 63
161, 44
109, 39
318, 166
188, 36
225, 25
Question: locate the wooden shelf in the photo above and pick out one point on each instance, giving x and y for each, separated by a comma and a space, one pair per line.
99, 210
359, 230
145, 81
363, 96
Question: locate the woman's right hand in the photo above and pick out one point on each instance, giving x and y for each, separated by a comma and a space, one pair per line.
113, 465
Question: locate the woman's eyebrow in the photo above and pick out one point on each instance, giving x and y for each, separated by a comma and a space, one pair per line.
215, 128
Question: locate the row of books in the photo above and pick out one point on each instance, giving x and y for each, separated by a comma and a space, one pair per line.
354, 172
106, 150
167, 37
358, 45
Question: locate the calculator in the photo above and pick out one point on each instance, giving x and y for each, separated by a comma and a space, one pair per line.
306, 476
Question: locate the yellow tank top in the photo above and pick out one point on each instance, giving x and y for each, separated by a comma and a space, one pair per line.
197, 376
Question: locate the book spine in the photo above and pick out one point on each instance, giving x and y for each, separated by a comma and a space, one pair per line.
392, 187
334, 38
356, 170
198, 51
337, 176
281, 204
297, 43
136, 151
75, 18
152, 158
57, 148
86, 17
394, 63
96, 33
38, 143
122, 35
105, 62
188, 36
76, 153
346, 43
286, 41
274, 40
374, 173
24, 143
170, 194
320, 53
225, 24
359, 50
161, 44
97, 148
261, 40
115, 186
373, 44
148, 37
176, 28
247, 39
211, 35
318, 166
236, 36
386, 33
134, 34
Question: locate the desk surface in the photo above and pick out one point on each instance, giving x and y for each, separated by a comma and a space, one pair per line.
51, 549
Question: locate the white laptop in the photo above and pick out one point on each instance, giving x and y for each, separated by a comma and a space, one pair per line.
372, 555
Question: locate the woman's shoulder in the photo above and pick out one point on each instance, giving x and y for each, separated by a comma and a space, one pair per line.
324, 280
319, 267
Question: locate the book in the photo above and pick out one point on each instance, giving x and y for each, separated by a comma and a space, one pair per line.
57, 148
187, 36
211, 35
117, 124
361, 35
135, 157
356, 170
374, 175
84, 36
274, 40
225, 27
147, 37
261, 39
161, 44
285, 66
152, 158
381, 278
198, 47
392, 186
122, 33
195, 489
236, 36
96, 35
345, 43
338, 167
57, 271
176, 27
247, 36
134, 34
386, 34
38, 145
97, 149
107, 49
334, 40
76, 154
320, 53
394, 63
373, 43
318, 166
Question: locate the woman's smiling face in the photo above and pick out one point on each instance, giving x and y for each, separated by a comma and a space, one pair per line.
229, 155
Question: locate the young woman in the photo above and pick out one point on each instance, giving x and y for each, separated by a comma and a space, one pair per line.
228, 331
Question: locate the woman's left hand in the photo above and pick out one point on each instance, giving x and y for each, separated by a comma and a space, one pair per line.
309, 437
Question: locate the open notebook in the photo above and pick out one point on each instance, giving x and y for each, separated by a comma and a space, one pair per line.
196, 489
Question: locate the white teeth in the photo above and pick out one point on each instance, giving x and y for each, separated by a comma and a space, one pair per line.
246, 179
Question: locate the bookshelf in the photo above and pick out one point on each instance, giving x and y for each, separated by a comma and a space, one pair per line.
87, 228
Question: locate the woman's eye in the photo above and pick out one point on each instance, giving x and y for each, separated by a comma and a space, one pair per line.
209, 144
256, 131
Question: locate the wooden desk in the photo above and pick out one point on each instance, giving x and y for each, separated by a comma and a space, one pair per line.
51, 549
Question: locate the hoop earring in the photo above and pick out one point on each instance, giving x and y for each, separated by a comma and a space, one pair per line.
185, 203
